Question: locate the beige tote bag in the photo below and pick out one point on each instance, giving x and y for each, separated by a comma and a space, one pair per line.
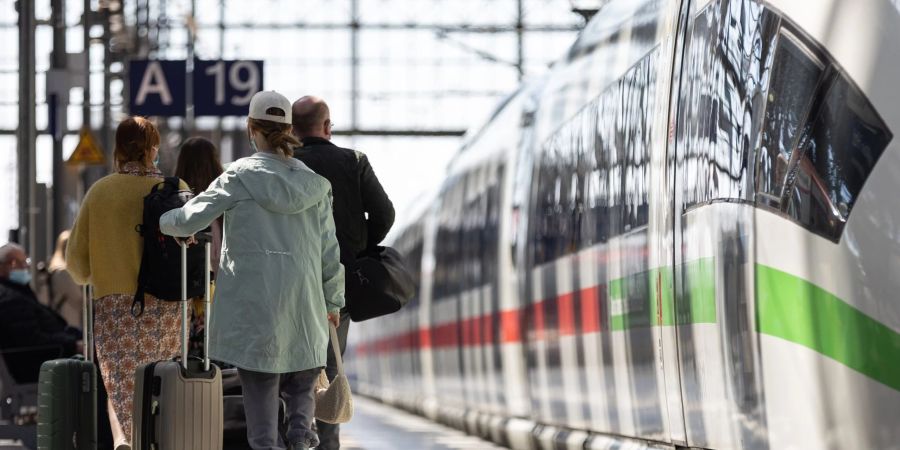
334, 403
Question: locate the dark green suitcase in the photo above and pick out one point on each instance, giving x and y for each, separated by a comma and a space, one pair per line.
67, 398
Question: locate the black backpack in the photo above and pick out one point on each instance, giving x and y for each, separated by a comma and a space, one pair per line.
160, 272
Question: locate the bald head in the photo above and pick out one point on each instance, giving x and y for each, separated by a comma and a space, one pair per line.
311, 118
12, 256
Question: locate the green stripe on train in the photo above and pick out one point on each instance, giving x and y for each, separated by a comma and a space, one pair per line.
700, 278
635, 300
796, 310
788, 307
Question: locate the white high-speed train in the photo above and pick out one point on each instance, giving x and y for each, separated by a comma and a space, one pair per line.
687, 234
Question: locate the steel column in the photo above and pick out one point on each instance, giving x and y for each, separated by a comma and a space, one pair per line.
106, 132
26, 131
520, 39
58, 61
354, 63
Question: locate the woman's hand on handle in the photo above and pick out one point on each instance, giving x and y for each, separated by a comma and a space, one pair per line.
335, 318
189, 241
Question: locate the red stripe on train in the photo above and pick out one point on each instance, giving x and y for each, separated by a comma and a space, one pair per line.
424, 338
590, 309
565, 304
511, 326
478, 331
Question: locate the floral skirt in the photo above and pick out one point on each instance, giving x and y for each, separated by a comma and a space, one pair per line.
125, 342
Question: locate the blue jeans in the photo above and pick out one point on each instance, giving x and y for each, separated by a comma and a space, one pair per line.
261, 404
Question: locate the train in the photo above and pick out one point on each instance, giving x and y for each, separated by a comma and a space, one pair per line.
686, 234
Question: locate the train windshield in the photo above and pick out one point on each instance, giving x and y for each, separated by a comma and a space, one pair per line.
821, 140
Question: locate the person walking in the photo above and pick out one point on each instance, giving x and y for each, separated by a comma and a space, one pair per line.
363, 213
280, 279
105, 250
198, 165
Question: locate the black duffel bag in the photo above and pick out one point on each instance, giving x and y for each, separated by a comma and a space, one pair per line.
377, 283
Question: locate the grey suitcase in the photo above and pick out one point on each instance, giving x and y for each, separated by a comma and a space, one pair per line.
178, 404
67, 396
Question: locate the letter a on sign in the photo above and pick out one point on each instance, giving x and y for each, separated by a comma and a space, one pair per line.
156, 88
87, 151
154, 82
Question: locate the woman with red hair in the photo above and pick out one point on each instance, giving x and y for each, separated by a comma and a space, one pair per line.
105, 250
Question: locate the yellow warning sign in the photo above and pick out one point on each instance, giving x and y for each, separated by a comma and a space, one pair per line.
87, 151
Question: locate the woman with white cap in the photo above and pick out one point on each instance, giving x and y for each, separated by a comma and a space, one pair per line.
279, 280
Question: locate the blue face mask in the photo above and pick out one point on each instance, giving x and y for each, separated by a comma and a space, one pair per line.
20, 276
156, 160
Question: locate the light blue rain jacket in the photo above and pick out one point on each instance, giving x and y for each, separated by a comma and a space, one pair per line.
279, 273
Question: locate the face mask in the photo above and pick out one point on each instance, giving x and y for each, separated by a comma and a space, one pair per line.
20, 276
156, 160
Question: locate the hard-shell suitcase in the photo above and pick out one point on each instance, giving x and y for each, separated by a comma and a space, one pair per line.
67, 396
178, 404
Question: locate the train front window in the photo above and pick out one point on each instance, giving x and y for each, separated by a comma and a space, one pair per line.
820, 140
846, 138
791, 88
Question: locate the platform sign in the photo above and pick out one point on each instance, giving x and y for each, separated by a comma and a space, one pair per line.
156, 88
224, 88
87, 151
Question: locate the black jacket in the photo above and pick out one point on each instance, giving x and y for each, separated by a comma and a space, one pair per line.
24, 322
357, 193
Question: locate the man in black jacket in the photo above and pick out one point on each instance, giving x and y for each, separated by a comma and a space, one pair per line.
27, 324
363, 213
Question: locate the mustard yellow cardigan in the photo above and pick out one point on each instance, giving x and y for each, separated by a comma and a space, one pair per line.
104, 247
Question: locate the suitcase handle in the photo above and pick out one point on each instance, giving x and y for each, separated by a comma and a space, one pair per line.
87, 326
205, 238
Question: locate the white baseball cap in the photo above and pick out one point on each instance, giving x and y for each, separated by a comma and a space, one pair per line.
270, 105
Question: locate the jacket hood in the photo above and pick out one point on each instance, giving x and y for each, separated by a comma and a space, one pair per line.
278, 184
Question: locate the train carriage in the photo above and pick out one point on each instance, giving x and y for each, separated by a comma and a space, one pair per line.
685, 234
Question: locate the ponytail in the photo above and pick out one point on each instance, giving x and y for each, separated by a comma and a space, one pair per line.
277, 135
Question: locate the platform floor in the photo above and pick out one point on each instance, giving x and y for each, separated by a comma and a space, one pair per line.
376, 426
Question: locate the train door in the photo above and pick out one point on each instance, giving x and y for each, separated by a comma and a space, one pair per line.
663, 229
724, 67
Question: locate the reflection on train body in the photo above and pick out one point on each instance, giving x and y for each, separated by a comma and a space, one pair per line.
683, 235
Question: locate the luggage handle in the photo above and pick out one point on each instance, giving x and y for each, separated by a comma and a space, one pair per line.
185, 334
87, 326
336, 348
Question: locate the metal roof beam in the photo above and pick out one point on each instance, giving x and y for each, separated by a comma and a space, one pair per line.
458, 28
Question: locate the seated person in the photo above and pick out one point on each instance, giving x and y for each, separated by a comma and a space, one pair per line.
26, 324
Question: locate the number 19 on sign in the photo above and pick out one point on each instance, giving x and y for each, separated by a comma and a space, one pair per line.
224, 88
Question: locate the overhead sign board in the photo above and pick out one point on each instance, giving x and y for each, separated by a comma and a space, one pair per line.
220, 88
87, 151
224, 88
156, 88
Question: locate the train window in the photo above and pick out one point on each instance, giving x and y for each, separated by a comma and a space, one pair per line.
816, 141
820, 139
592, 173
792, 84
846, 138
635, 88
